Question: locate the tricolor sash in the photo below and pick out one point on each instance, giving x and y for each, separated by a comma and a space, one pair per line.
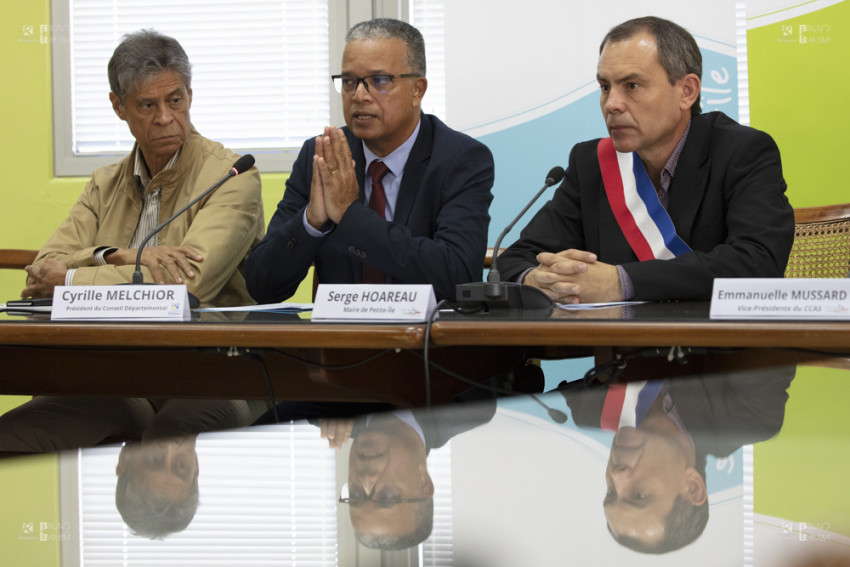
627, 404
645, 223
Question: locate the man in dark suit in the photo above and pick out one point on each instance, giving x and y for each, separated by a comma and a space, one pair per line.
657, 499
422, 219
389, 490
719, 183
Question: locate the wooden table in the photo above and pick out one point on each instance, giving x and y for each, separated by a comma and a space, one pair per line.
649, 324
244, 356
238, 358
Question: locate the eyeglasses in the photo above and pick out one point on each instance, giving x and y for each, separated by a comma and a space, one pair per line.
347, 84
388, 496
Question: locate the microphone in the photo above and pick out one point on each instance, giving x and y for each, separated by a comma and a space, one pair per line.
242, 165
555, 415
495, 294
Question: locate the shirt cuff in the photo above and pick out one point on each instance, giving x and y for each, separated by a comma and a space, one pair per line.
101, 253
312, 231
521, 277
69, 277
626, 286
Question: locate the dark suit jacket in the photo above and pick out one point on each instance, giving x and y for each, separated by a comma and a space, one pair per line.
438, 425
722, 412
727, 201
438, 235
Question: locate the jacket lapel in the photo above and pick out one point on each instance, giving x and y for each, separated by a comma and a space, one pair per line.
689, 182
414, 171
356, 147
359, 157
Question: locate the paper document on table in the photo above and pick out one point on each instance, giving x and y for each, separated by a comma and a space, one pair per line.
271, 307
586, 306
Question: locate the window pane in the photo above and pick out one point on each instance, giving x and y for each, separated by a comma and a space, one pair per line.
267, 498
259, 69
429, 18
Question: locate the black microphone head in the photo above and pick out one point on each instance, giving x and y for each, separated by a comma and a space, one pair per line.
555, 175
557, 415
245, 163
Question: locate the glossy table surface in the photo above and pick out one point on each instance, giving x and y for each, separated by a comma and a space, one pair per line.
305, 360
761, 456
649, 324
646, 324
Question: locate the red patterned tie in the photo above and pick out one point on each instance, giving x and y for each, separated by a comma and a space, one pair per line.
378, 203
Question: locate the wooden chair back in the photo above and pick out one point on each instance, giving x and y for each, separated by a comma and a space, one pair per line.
821, 243
15, 259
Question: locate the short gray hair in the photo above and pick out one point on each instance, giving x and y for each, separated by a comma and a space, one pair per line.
387, 28
678, 52
143, 55
423, 525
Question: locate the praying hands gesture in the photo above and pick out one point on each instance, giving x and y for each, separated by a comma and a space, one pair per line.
334, 185
336, 431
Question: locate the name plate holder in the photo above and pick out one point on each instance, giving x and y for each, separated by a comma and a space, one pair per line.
780, 298
121, 302
374, 302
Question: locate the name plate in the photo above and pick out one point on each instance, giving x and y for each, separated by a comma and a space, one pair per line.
136, 302
780, 298
373, 302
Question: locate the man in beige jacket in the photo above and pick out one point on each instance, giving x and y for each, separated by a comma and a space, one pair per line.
170, 164
150, 79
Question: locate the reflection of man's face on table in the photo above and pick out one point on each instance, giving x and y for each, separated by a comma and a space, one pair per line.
166, 467
387, 461
648, 469
157, 489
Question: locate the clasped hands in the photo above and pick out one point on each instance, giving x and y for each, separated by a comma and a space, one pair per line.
42, 277
575, 276
334, 185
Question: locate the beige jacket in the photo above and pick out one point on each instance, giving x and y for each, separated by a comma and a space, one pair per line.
222, 227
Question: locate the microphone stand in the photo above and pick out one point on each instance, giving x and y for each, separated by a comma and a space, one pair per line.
242, 164
495, 295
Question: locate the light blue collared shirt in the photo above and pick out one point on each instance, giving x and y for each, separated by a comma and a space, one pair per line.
395, 161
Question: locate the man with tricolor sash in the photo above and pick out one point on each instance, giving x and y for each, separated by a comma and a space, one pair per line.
657, 496
671, 200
